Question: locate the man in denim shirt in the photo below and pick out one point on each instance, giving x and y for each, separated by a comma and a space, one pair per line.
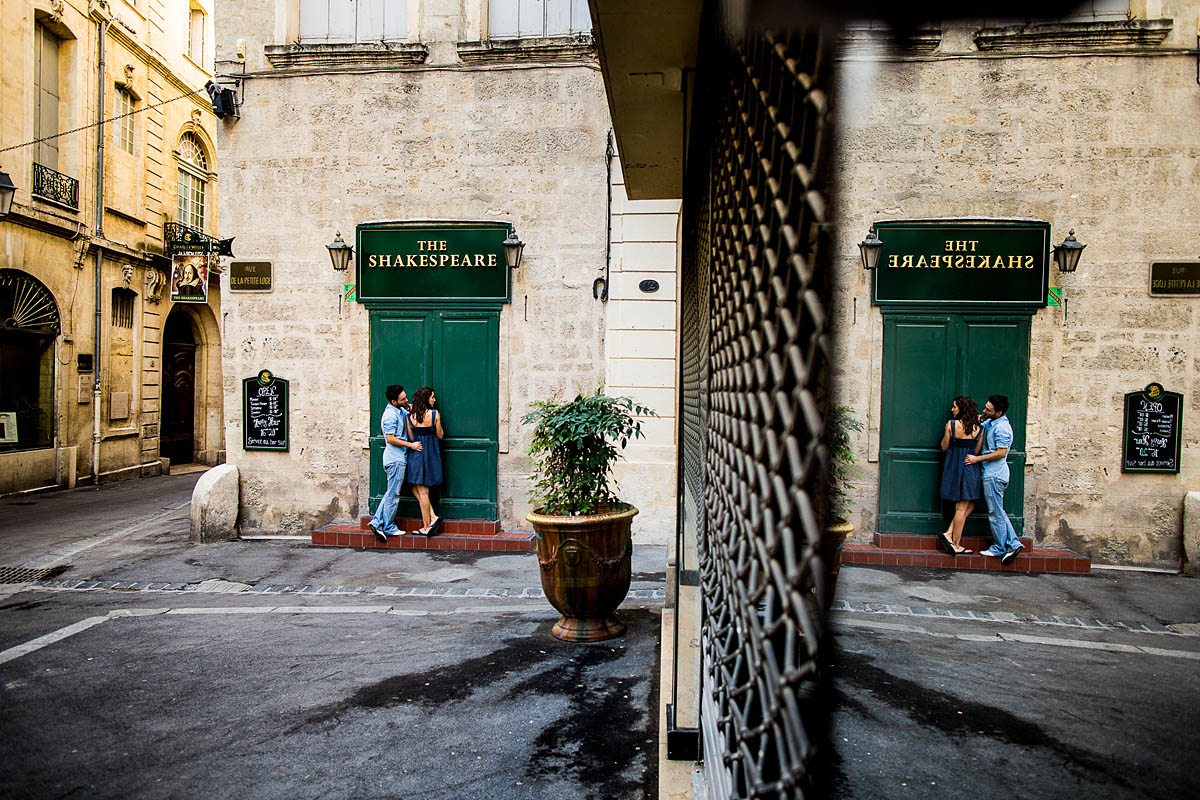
997, 438
395, 456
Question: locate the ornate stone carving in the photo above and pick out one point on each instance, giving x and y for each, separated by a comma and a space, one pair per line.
126, 274
155, 281
56, 10
129, 74
82, 245
196, 117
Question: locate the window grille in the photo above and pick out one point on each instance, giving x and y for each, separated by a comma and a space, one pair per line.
122, 308
757, 253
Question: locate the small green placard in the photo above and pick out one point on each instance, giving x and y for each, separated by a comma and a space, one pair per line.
998, 263
349, 292
1054, 296
432, 261
264, 412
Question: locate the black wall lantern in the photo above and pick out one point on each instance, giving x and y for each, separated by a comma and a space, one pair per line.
869, 249
340, 253
7, 190
1067, 254
513, 247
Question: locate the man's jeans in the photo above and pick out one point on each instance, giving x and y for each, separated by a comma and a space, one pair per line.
391, 498
1002, 530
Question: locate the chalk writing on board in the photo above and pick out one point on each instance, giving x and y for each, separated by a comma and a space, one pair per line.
265, 412
1152, 427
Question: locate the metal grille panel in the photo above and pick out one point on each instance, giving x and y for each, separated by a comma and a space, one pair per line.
753, 371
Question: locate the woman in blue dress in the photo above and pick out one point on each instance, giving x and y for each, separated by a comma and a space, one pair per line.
962, 483
425, 470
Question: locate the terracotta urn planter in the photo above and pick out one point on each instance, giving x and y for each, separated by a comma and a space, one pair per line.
585, 569
836, 535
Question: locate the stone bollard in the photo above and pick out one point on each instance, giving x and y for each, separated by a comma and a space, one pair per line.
1191, 534
215, 505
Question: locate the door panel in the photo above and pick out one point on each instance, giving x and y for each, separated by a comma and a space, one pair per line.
998, 363
919, 357
457, 353
927, 361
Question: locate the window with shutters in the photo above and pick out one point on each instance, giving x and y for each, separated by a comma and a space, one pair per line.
520, 19
336, 21
193, 181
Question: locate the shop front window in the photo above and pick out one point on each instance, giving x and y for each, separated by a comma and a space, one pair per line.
29, 324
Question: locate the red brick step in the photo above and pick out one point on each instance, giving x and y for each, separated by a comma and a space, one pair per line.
1042, 560
457, 534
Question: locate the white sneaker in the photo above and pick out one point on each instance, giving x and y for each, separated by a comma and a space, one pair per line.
990, 552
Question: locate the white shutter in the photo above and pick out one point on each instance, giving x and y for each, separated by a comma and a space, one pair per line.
531, 19
558, 17
341, 20
502, 19
395, 20
581, 18
370, 20
314, 20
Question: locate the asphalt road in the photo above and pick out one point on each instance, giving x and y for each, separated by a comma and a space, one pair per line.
988, 704
157, 668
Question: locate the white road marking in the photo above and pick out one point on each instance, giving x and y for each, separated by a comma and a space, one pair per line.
1049, 641
34, 645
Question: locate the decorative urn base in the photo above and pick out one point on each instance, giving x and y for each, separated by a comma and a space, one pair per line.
585, 565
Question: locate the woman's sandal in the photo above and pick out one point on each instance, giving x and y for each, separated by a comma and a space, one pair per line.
947, 545
964, 552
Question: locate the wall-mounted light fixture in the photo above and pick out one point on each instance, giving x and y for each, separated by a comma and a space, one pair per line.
869, 249
340, 253
1067, 254
513, 247
7, 190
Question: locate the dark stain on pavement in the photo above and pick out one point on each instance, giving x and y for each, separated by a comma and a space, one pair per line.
605, 739
957, 716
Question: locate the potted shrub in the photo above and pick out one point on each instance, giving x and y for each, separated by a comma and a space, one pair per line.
843, 470
583, 540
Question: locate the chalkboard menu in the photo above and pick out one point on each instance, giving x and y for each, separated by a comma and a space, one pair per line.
264, 412
1153, 430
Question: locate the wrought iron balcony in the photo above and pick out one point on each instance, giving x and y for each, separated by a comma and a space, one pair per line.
52, 185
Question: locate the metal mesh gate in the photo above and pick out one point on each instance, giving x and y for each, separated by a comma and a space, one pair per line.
756, 253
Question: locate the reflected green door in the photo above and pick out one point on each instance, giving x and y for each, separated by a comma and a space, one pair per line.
457, 353
928, 360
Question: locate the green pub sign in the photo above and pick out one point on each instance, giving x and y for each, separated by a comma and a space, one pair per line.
974, 262
432, 261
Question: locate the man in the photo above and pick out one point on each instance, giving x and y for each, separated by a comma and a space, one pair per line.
997, 438
393, 424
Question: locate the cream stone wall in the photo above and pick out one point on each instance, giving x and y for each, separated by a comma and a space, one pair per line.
57, 245
641, 351
1105, 143
320, 150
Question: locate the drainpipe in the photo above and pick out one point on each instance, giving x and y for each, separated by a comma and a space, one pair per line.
99, 234
600, 285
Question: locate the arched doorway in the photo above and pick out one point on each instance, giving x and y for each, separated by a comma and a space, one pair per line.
177, 437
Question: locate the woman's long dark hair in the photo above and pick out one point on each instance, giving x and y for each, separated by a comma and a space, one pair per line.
968, 414
420, 402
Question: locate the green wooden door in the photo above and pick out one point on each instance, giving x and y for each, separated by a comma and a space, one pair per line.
928, 360
456, 351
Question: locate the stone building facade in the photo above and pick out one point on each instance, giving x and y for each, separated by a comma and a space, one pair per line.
1088, 123
66, 270
446, 113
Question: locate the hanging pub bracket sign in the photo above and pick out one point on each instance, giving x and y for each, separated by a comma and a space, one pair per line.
1152, 432
265, 412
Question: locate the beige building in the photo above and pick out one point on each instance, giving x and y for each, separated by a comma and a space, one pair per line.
437, 114
107, 135
1087, 123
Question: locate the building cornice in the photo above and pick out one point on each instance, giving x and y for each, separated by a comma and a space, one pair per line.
350, 56
1133, 34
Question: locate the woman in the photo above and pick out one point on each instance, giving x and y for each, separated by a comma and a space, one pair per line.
425, 465
962, 483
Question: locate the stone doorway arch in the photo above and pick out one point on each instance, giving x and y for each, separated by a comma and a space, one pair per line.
191, 428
